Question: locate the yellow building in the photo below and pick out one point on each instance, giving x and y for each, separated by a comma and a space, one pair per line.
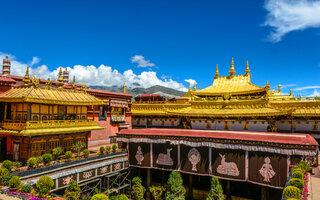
232, 103
36, 119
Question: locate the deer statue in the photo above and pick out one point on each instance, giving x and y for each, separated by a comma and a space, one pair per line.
165, 159
227, 168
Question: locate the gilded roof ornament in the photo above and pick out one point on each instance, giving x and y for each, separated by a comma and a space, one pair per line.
267, 87
48, 83
290, 92
60, 78
74, 85
247, 71
83, 87
26, 79
232, 70
217, 71
279, 87
35, 82
195, 86
124, 88
189, 88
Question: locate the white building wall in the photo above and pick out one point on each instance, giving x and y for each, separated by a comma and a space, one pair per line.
257, 126
304, 126
198, 124
236, 125
284, 125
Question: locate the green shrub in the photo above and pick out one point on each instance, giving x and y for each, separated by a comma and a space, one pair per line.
298, 174
72, 192
78, 146
176, 190
114, 147
56, 152
291, 192
44, 185
39, 160
304, 166
7, 164
157, 192
47, 157
292, 199
216, 191
108, 149
4, 176
100, 197
16, 165
137, 190
68, 155
297, 183
15, 182
27, 187
32, 162
86, 153
101, 150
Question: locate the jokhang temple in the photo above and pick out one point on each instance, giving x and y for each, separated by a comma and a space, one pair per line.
230, 103
38, 115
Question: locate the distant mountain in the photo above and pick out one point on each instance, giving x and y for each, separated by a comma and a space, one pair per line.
157, 89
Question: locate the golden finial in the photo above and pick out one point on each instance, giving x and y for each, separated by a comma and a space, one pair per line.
247, 69
279, 87
189, 88
290, 92
48, 82
7, 57
83, 87
267, 87
74, 85
199, 87
232, 71
26, 79
195, 86
60, 78
34, 81
217, 71
124, 88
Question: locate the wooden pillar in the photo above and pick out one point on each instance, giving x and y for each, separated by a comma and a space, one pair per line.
148, 183
264, 193
228, 190
190, 193
93, 111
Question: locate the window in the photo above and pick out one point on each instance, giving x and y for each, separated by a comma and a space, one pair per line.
38, 149
67, 145
53, 144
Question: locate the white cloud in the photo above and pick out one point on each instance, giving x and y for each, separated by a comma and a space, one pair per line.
102, 75
190, 81
288, 85
315, 94
35, 60
141, 61
291, 15
307, 87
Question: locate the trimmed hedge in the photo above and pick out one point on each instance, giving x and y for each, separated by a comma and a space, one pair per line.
100, 197
297, 182
14, 182
298, 174
291, 192
7, 164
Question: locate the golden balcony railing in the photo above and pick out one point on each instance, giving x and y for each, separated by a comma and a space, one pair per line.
16, 125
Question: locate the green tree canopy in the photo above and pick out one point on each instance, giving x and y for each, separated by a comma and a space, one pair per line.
216, 192
176, 190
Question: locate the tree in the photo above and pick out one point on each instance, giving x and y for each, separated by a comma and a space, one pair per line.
44, 185
72, 192
216, 192
78, 146
157, 192
176, 190
137, 189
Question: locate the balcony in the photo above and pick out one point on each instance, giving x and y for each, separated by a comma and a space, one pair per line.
18, 125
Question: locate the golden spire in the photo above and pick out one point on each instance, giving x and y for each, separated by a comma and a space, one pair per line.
279, 87
195, 86
48, 82
124, 88
73, 85
267, 87
199, 87
247, 69
60, 78
290, 92
232, 71
189, 88
83, 86
217, 71
26, 79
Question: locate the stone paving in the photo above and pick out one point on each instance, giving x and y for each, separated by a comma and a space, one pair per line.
5, 197
315, 185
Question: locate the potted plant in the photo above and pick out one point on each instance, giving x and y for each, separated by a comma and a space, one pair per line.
44, 185
114, 148
14, 183
108, 148
86, 153
101, 150
68, 155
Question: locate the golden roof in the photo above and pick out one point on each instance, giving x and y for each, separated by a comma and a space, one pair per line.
233, 85
49, 95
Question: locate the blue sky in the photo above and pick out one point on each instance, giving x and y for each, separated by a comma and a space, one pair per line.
165, 42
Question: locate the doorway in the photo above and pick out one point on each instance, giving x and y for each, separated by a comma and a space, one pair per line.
3, 148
